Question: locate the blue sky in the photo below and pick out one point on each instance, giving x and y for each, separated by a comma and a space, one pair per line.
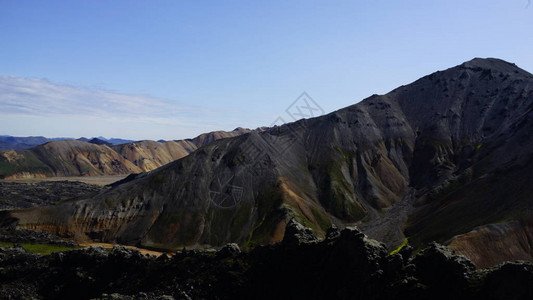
174, 69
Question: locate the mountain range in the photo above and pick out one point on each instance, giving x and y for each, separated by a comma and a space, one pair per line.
8, 142
100, 157
446, 158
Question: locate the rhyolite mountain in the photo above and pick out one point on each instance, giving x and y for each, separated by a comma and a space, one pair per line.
99, 157
445, 158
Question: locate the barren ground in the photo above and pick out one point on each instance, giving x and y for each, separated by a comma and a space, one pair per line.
97, 180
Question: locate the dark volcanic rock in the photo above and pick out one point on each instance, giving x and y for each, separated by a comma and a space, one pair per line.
22, 195
511, 281
18, 235
229, 250
346, 266
296, 234
443, 270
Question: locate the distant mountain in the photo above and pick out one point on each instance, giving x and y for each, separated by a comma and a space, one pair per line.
115, 141
8, 142
93, 157
447, 158
98, 141
17, 143
112, 141
84, 139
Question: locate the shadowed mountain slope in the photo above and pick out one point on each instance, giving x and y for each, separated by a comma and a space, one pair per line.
428, 161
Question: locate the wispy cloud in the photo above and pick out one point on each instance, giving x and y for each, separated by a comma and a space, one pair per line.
40, 97
107, 112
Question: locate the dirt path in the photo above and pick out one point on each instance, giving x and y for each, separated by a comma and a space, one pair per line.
109, 246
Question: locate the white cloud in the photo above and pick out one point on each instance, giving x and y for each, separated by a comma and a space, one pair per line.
40, 97
31, 106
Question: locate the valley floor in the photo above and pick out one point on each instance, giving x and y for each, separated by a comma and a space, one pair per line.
110, 246
96, 180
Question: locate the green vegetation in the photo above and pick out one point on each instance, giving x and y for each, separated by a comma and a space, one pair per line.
46, 249
405, 242
269, 214
5, 244
162, 247
43, 249
322, 222
321, 218
335, 190
346, 157
240, 219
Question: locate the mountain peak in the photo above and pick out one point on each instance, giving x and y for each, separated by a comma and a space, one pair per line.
491, 64
99, 141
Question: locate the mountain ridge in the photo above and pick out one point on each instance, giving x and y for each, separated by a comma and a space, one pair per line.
8, 142
94, 157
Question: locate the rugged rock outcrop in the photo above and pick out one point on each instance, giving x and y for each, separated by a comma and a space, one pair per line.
427, 161
347, 265
445, 271
296, 233
20, 236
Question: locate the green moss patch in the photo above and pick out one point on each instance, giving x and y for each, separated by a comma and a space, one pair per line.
43, 249
269, 214
335, 189
405, 242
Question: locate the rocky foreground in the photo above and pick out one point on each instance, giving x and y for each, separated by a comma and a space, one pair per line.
344, 265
